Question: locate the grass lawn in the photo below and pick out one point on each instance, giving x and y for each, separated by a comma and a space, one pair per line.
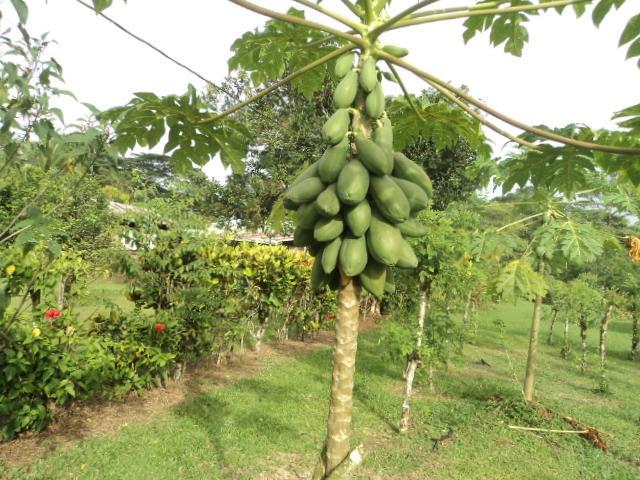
271, 425
94, 299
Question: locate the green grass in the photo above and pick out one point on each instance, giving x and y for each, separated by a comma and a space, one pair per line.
93, 299
272, 425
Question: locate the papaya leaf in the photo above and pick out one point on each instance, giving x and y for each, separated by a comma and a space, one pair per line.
518, 280
602, 9
147, 118
281, 48
21, 9
444, 125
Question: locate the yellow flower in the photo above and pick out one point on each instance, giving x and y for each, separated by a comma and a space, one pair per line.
70, 330
36, 332
11, 269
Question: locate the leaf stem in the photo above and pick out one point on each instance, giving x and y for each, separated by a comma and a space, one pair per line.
351, 7
298, 21
389, 24
277, 85
482, 119
489, 11
429, 78
405, 91
478, 6
359, 27
521, 220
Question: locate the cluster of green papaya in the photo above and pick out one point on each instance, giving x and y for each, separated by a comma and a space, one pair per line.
358, 202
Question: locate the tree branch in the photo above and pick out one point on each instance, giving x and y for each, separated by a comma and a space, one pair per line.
351, 7
478, 6
357, 26
405, 91
388, 25
481, 119
284, 81
489, 11
297, 20
429, 78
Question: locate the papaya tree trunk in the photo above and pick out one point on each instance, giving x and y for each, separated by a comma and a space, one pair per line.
635, 337
604, 327
337, 446
583, 340
553, 321
532, 357
430, 376
566, 348
412, 365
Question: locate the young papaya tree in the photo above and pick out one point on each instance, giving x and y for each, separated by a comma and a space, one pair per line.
556, 237
361, 150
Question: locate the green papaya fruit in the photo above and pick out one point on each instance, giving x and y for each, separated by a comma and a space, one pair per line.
303, 237
353, 183
330, 255
327, 229
375, 103
358, 218
383, 240
353, 256
344, 64
396, 51
390, 282
318, 277
390, 199
305, 191
345, 92
310, 171
383, 134
336, 127
328, 203
406, 257
408, 170
333, 161
413, 228
307, 216
418, 199
373, 157
368, 74
373, 278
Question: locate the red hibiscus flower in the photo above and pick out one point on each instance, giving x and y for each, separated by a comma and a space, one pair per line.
159, 327
52, 313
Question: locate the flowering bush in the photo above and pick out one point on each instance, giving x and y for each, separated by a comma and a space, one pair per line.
214, 295
57, 360
52, 313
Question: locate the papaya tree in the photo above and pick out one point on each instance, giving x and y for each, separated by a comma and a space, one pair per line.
359, 128
556, 237
436, 287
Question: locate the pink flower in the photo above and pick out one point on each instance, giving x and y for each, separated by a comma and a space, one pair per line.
159, 327
52, 313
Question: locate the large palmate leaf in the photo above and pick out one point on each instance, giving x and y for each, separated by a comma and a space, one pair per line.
444, 124
147, 118
629, 118
281, 48
575, 242
506, 29
566, 168
518, 280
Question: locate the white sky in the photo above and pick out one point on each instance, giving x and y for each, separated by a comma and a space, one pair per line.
570, 71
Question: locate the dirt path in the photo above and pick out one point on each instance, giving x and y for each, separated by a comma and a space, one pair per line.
96, 418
